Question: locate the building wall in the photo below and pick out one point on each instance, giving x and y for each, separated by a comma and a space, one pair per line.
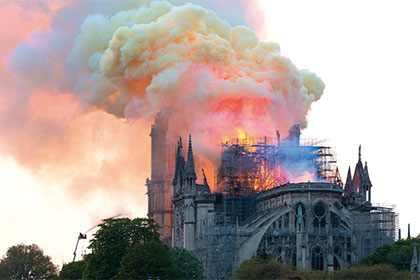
333, 242
324, 243
159, 186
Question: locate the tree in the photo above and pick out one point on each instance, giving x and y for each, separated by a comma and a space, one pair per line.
110, 244
377, 272
187, 264
263, 267
26, 261
148, 260
73, 270
398, 254
362, 272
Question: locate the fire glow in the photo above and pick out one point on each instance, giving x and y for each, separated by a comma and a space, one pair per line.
133, 62
211, 79
251, 164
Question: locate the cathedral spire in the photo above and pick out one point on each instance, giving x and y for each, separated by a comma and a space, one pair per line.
348, 180
360, 153
348, 185
190, 161
366, 175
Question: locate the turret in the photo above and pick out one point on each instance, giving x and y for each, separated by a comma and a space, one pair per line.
190, 170
349, 186
179, 175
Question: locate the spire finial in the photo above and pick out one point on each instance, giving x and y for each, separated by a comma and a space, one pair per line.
190, 159
360, 152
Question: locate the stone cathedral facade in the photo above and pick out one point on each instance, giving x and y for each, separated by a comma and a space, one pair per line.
309, 225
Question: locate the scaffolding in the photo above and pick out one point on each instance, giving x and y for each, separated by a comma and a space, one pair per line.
219, 248
255, 164
375, 227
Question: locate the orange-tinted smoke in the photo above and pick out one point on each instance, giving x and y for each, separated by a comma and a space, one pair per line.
77, 113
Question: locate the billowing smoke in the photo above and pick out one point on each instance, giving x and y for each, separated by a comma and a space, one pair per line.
214, 79
82, 82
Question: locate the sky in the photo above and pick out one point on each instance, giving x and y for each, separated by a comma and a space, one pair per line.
62, 175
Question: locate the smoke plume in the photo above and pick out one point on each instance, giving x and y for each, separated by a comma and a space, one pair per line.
82, 84
214, 79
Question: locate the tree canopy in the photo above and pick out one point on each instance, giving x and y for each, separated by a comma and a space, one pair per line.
262, 267
110, 244
26, 261
398, 254
187, 264
266, 267
149, 260
73, 270
363, 272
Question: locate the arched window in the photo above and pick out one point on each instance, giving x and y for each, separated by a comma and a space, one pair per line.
317, 258
335, 220
286, 220
336, 264
319, 217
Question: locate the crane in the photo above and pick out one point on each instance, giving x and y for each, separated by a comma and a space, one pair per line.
84, 236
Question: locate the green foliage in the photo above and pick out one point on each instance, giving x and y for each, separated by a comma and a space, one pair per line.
110, 244
147, 260
263, 267
72, 270
187, 264
398, 254
267, 267
316, 275
375, 272
22, 260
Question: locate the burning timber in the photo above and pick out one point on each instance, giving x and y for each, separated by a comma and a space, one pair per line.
280, 196
256, 164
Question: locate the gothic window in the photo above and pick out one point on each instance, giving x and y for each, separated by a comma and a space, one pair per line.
319, 217
336, 264
286, 220
366, 249
317, 258
303, 214
338, 251
335, 220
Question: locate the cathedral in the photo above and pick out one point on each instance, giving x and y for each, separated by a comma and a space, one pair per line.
316, 222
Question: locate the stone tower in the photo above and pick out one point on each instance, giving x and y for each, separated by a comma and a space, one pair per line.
359, 187
193, 203
159, 187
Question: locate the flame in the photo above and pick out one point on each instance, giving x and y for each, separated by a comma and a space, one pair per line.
261, 163
215, 81
270, 178
305, 177
241, 134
